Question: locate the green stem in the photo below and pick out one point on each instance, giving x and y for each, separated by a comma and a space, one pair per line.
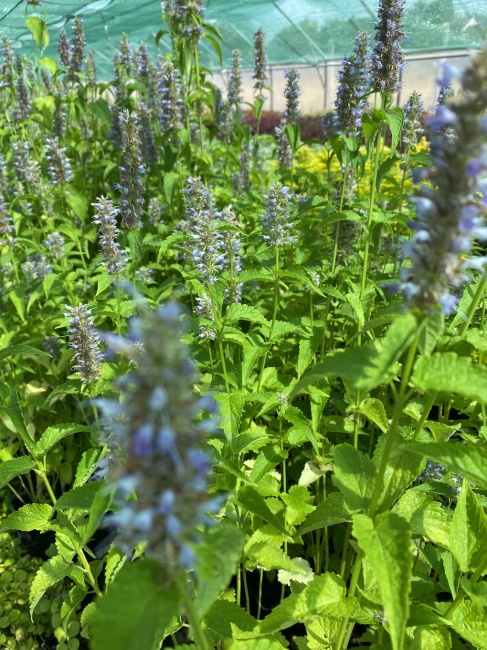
274, 317
340, 208
199, 635
426, 411
474, 304
346, 630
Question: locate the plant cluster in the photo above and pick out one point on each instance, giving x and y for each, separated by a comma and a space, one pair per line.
243, 380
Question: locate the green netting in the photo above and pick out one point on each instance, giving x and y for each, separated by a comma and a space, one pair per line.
298, 31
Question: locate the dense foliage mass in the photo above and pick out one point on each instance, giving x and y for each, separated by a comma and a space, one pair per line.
243, 395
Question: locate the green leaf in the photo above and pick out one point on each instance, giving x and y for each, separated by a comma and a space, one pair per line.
53, 435
251, 500
374, 410
222, 614
104, 281
9, 469
135, 246
448, 372
38, 29
302, 574
385, 167
86, 467
15, 413
230, 411
101, 109
173, 238
297, 417
171, 180
237, 312
395, 120
324, 596
77, 202
467, 459
135, 610
251, 354
71, 602
370, 129
426, 517
100, 505
79, 498
470, 623
333, 510
402, 469
114, 562
386, 543
49, 64
256, 644
468, 537
48, 575
431, 332
368, 366
21, 348
354, 475
217, 557
292, 132
33, 516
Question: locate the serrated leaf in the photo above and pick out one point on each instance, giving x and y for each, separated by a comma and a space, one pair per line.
53, 435
333, 510
323, 596
38, 29
47, 576
467, 459
469, 622
104, 281
468, 536
426, 517
230, 411
217, 557
251, 500
114, 562
431, 332
49, 64
33, 516
298, 505
135, 610
386, 542
174, 238
251, 354
303, 573
297, 417
71, 602
171, 180
9, 469
86, 467
79, 498
395, 120
385, 167
237, 312
368, 366
255, 644
354, 475
21, 348
402, 469
374, 410
222, 614
447, 371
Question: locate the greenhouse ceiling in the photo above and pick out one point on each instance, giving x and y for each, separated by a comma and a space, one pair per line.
297, 31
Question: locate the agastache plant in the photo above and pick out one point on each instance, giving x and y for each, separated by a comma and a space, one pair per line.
106, 220
292, 93
277, 222
85, 342
412, 129
449, 214
388, 58
162, 442
132, 172
353, 85
59, 167
205, 240
170, 102
260, 64
234, 97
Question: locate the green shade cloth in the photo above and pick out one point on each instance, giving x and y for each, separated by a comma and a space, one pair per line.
305, 32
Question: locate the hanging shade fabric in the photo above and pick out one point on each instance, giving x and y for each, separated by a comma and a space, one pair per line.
306, 32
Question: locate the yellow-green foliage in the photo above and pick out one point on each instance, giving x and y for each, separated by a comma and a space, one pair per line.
325, 162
